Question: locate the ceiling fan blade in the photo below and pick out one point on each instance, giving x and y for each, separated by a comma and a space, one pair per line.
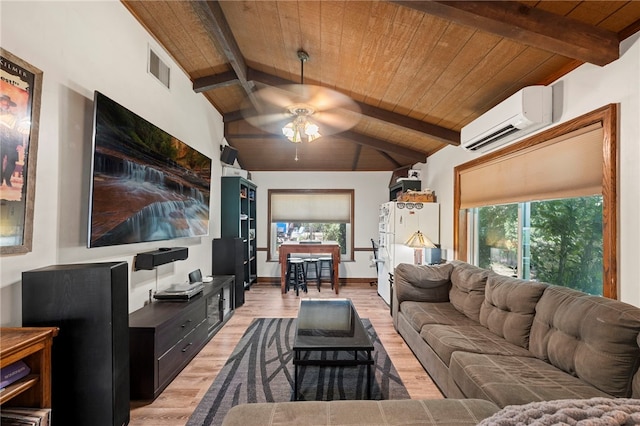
335, 121
279, 97
333, 111
322, 98
269, 122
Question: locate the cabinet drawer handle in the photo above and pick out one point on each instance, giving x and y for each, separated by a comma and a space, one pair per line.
187, 347
186, 324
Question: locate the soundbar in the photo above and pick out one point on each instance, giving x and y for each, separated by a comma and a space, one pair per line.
151, 259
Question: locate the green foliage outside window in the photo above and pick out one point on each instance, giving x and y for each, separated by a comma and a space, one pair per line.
560, 241
566, 243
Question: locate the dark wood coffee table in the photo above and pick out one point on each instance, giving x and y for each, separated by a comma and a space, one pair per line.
330, 325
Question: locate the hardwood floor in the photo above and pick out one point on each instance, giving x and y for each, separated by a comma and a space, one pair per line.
174, 406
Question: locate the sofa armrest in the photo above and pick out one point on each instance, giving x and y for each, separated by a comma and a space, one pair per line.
421, 283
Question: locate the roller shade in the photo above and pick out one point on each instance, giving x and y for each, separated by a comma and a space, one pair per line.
563, 167
317, 207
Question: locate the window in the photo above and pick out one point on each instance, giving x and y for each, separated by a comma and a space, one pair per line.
555, 241
545, 208
318, 214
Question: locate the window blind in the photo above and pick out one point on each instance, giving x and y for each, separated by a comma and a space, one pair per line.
317, 207
563, 167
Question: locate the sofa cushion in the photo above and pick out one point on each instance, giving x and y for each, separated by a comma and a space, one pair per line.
435, 412
510, 380
509, 306
420, 313
422, 283
447, 339
467, 288
591, 337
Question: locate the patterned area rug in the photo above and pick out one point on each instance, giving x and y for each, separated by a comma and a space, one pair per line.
260, 369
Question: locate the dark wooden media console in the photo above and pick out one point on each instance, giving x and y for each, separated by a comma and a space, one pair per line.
165, 335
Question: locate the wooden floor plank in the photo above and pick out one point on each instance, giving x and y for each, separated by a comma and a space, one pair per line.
174, 406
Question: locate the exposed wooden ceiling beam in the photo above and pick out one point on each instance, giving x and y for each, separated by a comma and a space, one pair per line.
437, 132
212, 17
356, 157
390, 158
442, 134
630, 30
384, 147
533, 27
230, 117
215, 81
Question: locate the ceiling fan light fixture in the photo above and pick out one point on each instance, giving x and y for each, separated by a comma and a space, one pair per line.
301, 129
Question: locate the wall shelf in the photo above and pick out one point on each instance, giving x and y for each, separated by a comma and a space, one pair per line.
33, 346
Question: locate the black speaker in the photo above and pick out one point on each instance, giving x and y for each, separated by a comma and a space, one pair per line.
228, 259
151, 259
228, 155
90, 355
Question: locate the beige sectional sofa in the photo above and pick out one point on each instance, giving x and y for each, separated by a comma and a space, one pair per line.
488, 341
510, 341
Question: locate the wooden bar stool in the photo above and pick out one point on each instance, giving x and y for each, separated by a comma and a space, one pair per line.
325, 265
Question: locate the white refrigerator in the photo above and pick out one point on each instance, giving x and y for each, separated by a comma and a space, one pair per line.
397, 222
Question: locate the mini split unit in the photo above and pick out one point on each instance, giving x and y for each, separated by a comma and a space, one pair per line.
528, 110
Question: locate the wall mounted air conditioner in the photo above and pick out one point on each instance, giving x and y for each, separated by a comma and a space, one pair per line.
522, 113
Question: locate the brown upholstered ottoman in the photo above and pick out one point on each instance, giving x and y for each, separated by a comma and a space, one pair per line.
441, 412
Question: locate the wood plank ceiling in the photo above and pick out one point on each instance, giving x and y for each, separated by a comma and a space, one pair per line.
419, 70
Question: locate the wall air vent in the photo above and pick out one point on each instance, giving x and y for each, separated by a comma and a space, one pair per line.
158, 68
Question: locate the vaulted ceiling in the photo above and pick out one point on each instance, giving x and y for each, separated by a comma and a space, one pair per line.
418, 70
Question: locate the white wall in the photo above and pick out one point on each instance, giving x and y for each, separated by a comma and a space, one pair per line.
371, 190
581, 91
82, 47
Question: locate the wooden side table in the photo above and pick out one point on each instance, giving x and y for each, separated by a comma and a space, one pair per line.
33, 346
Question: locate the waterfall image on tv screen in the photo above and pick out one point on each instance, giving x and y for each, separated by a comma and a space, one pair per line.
146, 184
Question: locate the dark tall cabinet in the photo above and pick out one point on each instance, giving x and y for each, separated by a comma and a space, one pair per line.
238, 220
90, 356
228, 259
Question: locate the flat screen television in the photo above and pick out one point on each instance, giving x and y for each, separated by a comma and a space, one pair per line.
146, 185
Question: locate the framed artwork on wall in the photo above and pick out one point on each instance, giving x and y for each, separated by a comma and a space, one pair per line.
20, 92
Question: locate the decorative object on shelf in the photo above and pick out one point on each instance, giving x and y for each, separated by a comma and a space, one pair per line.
20, 92
418, 241
234, 171
426, 196
302, 112
403, 186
